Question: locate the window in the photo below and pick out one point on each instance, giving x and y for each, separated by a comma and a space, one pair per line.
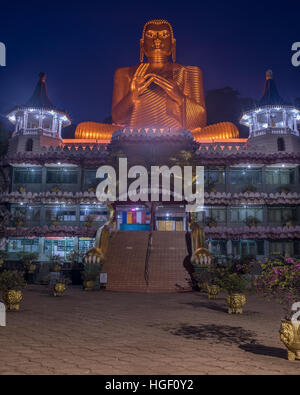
23, 245
25, 214
217, 214
62, 176
90, 177
280, 176
281, 247
61, 246
60, 214
85, 244
280, 144
218, 247
94, 214
29, 145
282, 214
214, 175
245, 176
247, 247
243, 214
27, 176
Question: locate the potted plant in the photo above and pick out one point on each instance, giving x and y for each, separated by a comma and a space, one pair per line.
211, 222
21, 190
280, 279
3, 255
201, 278
285, 190
60, 286
89, 221
11, 283
56, 263
252, 221
234, 284
211, 186
28, 258
213, 288
18, 218
75, 257
55, 189
90, 275
290, 220
250, 189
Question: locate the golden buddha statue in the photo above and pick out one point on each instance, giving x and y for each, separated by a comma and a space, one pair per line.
159, 93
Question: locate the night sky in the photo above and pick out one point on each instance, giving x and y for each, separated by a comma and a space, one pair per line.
80, 44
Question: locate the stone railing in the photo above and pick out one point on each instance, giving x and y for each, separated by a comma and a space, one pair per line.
217, 198
254, 232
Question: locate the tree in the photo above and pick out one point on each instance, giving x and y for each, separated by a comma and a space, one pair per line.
225, 104
4, 136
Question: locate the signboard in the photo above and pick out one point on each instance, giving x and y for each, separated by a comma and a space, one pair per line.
2, 314
103, 278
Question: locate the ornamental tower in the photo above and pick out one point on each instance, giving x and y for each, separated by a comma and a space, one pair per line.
273, 124
37, 123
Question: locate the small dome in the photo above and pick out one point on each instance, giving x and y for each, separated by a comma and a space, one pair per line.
95, 130
221, 130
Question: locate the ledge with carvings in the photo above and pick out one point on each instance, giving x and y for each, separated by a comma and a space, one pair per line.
218, 198
218, 157
254, 232
48, 231
219, 232
64, 155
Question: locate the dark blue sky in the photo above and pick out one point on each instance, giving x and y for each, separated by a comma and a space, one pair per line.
80, 44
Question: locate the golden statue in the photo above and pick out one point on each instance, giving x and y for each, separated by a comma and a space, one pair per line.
201, 255
158, 93
98, 253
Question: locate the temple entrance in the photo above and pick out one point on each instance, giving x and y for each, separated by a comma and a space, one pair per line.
133, 218
170, 218
174, 224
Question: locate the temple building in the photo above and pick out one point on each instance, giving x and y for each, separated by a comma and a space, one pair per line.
252, 185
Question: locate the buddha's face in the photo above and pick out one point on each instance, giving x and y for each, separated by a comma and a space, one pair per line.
157, 40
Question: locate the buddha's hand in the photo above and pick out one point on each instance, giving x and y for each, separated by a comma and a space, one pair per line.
170, 87
140, 81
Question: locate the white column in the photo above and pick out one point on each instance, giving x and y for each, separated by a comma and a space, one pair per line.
255, 122
268, 118
54, 123
16, 126
59, 128
25, 119
250, 128
295, 124
41, 120
284, 118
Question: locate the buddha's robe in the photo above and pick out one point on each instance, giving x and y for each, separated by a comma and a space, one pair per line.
155, 108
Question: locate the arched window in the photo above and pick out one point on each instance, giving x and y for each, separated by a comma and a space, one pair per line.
29, 145
280, 144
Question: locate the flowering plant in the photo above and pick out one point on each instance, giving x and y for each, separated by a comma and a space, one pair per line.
231, 279
280, 279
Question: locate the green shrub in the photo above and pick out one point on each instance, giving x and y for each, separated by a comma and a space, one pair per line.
11, 279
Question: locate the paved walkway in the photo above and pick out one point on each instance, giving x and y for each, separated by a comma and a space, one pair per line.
122, 333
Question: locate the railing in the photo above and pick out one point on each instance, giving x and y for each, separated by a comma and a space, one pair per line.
147, 266
275, 131
36, 131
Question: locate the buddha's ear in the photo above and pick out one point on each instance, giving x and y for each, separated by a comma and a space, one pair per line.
142, 53
174, 50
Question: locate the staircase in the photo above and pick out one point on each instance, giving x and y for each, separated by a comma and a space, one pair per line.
139, 263
125, 261
166, 271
